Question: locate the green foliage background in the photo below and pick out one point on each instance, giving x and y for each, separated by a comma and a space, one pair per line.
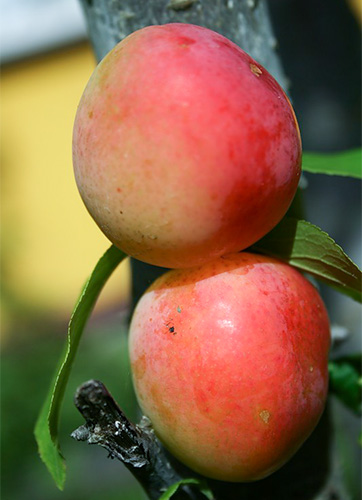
26, 368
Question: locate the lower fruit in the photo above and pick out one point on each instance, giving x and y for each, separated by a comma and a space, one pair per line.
230, 363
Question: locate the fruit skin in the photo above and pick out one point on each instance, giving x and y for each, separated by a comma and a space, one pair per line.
230, 363
184, 147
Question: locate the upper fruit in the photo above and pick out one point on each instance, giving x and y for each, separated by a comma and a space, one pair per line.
184, 147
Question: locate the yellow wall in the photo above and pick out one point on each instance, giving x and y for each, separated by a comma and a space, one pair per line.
356, 6
49, 242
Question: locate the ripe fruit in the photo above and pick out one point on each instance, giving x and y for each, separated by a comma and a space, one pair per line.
184, 147
229, 362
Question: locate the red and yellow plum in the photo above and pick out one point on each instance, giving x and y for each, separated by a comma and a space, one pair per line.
184, 147
230, 363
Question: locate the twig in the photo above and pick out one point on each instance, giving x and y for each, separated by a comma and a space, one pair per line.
134, 445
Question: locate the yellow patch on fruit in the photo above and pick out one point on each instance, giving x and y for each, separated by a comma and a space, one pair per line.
264, 415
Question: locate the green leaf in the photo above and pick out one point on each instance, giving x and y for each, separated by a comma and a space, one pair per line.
201, 484
348, 163
46, 428
311, 250
345, 381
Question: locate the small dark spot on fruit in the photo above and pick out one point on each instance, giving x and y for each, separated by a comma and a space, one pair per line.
90, 114
119, 190
170, 327
178, 309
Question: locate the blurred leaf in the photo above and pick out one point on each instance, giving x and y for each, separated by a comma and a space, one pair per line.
46, 429
311, 250
174, 487
345, 381
348, 163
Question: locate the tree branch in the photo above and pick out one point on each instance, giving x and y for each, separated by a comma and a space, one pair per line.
134, 445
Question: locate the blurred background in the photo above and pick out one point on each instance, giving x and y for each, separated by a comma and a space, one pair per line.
50, 244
